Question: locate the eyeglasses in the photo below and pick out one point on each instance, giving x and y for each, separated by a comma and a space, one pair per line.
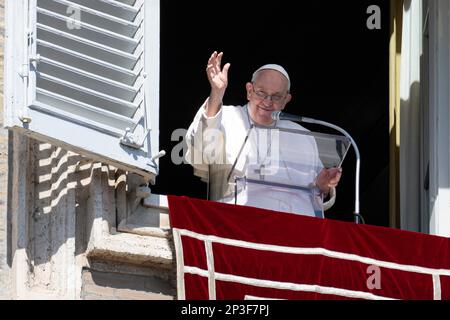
276, 98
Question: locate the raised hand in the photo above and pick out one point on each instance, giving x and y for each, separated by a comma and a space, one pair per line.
218, 77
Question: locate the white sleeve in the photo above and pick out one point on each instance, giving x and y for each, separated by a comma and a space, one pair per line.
196, 138
328, 204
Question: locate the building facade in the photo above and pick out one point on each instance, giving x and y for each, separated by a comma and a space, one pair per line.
78, 219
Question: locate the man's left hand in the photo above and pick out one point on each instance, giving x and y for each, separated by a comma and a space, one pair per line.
328, 178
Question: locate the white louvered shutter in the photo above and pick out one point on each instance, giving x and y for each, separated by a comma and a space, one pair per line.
84, 74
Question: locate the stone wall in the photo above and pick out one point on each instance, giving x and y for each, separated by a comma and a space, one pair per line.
124, 284
71, 228
4, 269
65, 237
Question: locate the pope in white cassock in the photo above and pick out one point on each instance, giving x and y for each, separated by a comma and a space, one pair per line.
281, 158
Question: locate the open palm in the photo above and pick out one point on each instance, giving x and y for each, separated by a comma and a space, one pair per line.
218, 77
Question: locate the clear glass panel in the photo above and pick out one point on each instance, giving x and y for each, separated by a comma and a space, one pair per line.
277, 168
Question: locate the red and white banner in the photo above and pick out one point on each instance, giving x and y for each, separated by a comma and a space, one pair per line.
236, 252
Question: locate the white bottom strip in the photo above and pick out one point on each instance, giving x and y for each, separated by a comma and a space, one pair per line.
286, 285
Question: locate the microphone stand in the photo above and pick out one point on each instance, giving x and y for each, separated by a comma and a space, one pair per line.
357, 216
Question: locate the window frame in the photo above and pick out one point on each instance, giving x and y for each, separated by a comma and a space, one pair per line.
24, 114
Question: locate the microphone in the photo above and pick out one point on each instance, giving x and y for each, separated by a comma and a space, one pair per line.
279, 115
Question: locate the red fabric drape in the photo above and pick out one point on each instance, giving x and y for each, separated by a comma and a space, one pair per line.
262, 253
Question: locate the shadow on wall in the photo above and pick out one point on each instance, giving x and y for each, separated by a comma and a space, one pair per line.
53, 189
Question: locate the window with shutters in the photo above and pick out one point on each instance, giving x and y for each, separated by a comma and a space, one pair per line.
84, 75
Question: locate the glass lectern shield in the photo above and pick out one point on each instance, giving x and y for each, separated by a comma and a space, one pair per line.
276, 168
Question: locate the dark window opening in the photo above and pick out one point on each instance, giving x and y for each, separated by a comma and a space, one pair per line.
339, 71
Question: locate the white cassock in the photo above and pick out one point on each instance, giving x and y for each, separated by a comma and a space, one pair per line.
274, 158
